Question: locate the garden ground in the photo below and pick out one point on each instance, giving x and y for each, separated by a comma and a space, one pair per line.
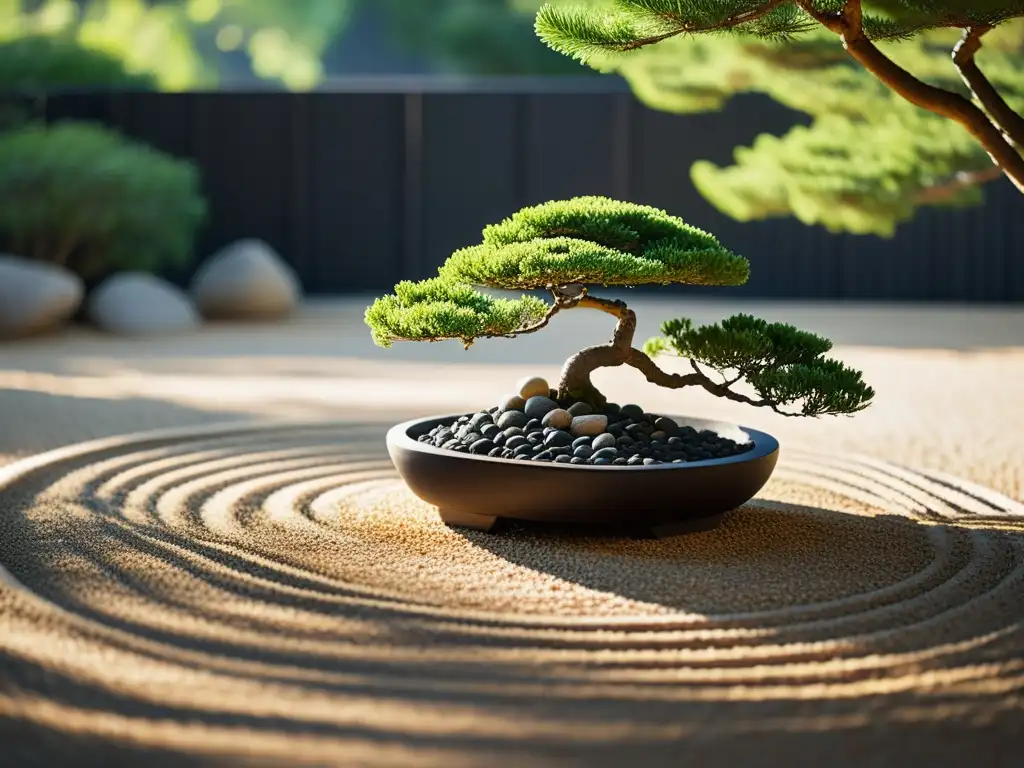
281, 594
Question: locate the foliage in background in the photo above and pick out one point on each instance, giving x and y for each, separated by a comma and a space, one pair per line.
182, 44
82, 196
477, 37
868, 160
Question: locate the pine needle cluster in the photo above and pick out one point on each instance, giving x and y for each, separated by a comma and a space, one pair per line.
784, 365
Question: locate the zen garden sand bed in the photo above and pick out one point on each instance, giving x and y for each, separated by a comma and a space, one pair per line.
275, 590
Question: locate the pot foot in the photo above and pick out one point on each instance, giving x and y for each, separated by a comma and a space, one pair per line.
467, 520
681, 527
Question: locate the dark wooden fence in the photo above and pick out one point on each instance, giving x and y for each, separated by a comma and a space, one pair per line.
362, 187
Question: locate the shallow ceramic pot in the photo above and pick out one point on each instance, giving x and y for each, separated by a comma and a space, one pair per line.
662, 499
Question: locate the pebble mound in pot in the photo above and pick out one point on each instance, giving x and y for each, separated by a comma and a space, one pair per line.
542, 428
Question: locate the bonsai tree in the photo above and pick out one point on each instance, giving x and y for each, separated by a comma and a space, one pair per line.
566, 247
599, 33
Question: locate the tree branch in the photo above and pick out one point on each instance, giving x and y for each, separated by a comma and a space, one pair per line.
1009, 121
727, 23
962, 181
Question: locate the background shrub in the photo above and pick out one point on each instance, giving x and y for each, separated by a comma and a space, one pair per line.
85, 197
43, 63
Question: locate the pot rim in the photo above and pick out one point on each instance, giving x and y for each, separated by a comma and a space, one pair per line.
764, 445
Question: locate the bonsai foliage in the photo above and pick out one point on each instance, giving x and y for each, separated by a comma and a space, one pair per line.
41, 62
794, 40
567, 247
84, 197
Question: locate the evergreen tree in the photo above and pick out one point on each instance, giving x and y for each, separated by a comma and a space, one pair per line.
900, 132
566, 247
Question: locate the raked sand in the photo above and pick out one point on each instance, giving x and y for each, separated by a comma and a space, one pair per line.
254, 593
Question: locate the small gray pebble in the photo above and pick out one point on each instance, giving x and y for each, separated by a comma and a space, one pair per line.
537, 407
490, 430
620, 461
649, 462
603, 441
576, 460
563, 459
513, 431
512, 419
480, 419
450, 444
580, 409
471, 437
634, 460
583, 452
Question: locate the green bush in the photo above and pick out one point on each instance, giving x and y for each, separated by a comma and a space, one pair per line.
85, 197
44, 63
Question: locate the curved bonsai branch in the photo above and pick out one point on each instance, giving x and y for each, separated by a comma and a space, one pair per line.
847, 23
1009, 121
959, 183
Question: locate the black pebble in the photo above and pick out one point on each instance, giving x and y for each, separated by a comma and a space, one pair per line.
620, 461
606, 453
471, 437
490, 430
583, 452
496, 452
631, 411
515, 441
585, 440
481, 446
544, 456
558, 439
562, 459
531, 425
576, 460
602, 461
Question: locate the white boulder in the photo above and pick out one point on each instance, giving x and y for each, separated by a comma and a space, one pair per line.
133, 303
35, 296
246, 280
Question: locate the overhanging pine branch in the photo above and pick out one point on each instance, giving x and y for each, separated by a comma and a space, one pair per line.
685, 27
848, 25
1009, 121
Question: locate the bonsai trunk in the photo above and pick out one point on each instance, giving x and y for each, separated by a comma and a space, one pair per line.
575, 380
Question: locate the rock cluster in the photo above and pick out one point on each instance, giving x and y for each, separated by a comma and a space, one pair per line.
540, 428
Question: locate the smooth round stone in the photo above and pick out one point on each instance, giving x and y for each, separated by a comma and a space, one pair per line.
576, 460
533, 425
544, 456
512, 419
558, 418
449, 445
659, 436
634, 460
511, 403
665, 424
611, 409
562, 450
538, 407
490, 430
675, 441
583, 452
606, 453
634, 412
471, 437
558, 439
481, 446
513, 432
585, 440
496, 453
602, 462
515, 441
523, 448
593, 424
533, 386
580, 409
624, 441
621, 461
499, 438
605, 440
563, 459
650, 462
522, 457
479, 419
